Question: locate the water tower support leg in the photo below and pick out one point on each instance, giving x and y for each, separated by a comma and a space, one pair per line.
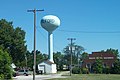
50, 46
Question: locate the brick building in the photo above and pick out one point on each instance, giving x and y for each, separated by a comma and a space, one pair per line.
107, 59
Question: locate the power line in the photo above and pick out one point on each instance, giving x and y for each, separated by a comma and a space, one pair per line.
45, 37
38, 29
115, 32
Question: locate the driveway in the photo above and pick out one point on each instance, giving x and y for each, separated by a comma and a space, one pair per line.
41, 77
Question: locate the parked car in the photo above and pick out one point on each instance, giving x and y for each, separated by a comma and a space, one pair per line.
23, 72
14, 74
39, 72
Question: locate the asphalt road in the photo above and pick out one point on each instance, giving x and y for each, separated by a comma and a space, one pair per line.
40, 77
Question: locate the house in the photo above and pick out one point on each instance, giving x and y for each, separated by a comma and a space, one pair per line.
47, 67
107, 59
13, 65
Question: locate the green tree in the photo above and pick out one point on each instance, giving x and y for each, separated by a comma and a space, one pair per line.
112, 51
45, 56
5, 65
29, 56
6, 32
18, 48
58, 59
97, 66
39, 58
76, 53
13, 40
67, 54
116, 68
84, 55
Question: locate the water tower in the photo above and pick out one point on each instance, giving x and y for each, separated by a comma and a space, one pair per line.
50, 23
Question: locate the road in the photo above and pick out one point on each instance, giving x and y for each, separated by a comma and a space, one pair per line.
40, 77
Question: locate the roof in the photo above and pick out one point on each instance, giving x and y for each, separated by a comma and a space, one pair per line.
48, 62
101, 54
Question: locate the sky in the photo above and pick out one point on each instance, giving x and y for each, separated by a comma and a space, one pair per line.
94, 23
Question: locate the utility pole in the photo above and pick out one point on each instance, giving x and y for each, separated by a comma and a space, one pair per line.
34, 66
71, 43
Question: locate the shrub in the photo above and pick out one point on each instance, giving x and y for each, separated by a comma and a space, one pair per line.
106, 70
85, 71
5, 63
97, 66
76, 70
116, 68
1, 76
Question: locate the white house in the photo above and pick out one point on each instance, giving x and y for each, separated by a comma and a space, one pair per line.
47, 67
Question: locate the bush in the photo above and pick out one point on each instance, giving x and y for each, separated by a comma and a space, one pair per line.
76, 70
97, 66
1, 76
85, 71
5, 63
106, 70
116, 68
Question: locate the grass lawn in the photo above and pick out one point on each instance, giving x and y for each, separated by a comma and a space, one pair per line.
91, 77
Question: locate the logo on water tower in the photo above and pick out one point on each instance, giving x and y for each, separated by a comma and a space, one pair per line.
47, 21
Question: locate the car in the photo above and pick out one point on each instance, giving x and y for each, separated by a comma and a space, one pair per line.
14, 74
23, 72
